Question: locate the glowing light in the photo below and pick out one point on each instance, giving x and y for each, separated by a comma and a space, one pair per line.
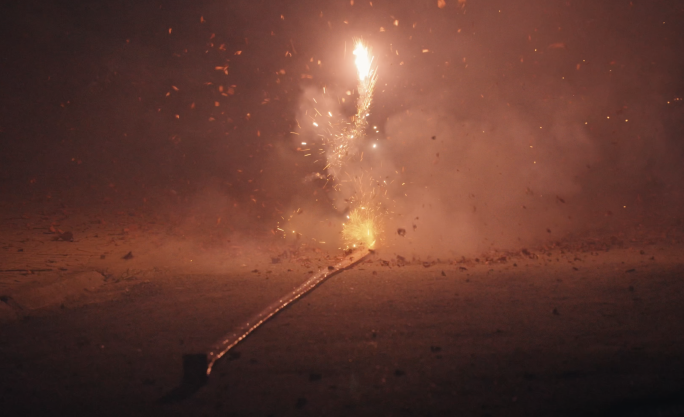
363, 60
362, 228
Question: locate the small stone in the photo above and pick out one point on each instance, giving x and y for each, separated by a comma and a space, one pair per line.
65, 237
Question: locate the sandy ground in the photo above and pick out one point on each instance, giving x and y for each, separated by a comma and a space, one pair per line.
593, 327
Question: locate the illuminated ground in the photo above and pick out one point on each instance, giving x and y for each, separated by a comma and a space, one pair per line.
579, 332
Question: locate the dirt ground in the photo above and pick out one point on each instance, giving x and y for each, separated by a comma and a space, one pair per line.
592, 327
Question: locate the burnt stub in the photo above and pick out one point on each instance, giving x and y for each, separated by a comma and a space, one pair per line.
195, 376
401, 232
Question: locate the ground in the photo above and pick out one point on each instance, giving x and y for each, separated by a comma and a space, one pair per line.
592, 327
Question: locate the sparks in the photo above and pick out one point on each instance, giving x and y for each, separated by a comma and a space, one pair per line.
361, 229
342, 143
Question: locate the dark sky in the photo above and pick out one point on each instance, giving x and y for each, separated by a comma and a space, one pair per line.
570, 108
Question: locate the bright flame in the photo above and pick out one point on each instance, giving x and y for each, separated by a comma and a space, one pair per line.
363, 60
361, 229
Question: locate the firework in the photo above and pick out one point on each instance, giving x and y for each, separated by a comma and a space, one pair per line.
339, 141
362, 227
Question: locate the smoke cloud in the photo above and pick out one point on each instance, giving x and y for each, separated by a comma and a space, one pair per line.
501, 129
494, 125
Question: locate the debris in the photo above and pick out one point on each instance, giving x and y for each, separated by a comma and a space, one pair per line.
555, 312
128, 256
399, 372
301, 402
435, 349
630, 270
65, 237
443, 274
275, 260
315, 377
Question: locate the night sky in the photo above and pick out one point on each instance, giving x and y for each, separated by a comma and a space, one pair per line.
549, 118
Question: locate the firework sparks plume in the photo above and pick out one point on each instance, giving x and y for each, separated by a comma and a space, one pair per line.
340, 141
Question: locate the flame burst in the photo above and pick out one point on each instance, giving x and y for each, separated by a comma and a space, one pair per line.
364, 224
361, 229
